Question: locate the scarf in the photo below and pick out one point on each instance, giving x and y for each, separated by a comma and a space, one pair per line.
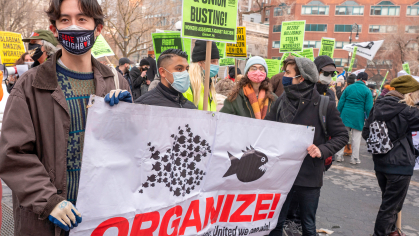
259, 105
291, 100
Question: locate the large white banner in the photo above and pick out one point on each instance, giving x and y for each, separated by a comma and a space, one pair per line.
151, 170
365, 49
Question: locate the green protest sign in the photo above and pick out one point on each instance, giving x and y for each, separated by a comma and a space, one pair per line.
292, 36
352, 59
227, 62
384, 80
273, 67
101, 48
164, 41
406, 67
308, 53
284, 56
295, 54
327, 47
210, 20
187, 47
221, 49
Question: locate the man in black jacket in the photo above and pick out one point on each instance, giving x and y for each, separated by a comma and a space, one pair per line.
151, 73
300, 105
395, 168
139, 78
327, 69
124, 68
173, 69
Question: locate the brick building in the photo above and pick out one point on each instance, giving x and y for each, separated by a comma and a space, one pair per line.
334, 19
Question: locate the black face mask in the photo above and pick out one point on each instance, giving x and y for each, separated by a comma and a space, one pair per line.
35, 51
77, 42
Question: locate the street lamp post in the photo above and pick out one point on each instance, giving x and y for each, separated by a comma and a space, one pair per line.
354, 26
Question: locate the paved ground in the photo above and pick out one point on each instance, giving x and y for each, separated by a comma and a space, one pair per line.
350, 199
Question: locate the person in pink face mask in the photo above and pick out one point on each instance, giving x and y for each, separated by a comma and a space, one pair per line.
252, 96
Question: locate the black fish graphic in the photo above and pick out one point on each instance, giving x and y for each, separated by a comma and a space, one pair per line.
250, 167
156, 166
151, 178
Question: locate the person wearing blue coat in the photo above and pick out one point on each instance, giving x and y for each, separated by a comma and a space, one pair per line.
354, 105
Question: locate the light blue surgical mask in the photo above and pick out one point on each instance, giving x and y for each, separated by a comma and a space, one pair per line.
213, 70
181, 81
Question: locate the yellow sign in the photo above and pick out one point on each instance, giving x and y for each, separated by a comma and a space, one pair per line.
11, 47
238, 49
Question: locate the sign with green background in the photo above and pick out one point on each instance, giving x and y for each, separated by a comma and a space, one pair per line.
227, 62
221, 49
307, 53
273, 67
214, 20
187, 46
327, 47
101, 48
167, 40
406, 67
352, 59
292, 36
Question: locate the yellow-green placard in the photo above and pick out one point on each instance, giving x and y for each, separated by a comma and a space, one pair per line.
284, 56
164, 41
292, 36
295, 54
273, 67
221, 49
187, 47
227, 62
406, 67
11, 47
238, 49
101, 48
307, 53
352, 60
327, 47
213, 20
384, 80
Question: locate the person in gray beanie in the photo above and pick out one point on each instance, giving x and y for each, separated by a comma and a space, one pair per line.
300, 104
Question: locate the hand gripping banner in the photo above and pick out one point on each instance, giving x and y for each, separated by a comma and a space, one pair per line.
150, 170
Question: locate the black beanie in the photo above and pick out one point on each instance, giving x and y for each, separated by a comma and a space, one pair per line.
362, 76
200, 49
144, 62
351, 79
231, 71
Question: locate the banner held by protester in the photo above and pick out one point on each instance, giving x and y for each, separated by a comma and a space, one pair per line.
292, 36
11, 47
210, 20
170, 178
238, 49
365, 49
164, 41
327, 47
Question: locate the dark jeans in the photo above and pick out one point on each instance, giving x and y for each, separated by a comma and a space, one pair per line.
308, 200
294, 211
394, 189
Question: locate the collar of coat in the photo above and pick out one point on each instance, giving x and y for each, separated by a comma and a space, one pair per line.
46, 75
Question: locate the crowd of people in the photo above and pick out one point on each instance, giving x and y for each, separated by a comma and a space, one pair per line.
41, 143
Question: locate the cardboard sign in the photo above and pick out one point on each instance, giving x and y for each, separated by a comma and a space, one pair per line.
221, 49
238, 49
227, 62
11, 47
273, 67
166, 40
101, 48
307, 53
352, 60
327, 47
292, 36
187, 176
406, 67
210, 20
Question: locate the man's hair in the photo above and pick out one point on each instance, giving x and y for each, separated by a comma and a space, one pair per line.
291, 61
90, 8
169, 53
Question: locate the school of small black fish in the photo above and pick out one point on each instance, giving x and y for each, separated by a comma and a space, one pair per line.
176, 168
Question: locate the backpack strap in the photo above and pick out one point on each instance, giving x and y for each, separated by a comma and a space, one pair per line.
324, 102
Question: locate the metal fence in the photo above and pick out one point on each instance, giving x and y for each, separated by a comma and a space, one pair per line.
7, 225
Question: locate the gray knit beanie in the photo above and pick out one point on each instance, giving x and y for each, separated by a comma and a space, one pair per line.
308, 69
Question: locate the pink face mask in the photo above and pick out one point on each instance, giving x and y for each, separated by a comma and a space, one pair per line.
256, 76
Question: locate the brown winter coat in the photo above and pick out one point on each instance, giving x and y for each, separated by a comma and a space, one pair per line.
33, 144
278, 87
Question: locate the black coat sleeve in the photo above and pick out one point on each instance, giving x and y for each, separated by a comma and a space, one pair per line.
412, 118
336, 130
272, 114
366, 129
137, 82
339, 91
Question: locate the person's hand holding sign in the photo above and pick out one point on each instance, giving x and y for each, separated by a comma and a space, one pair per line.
314, 151
65, 216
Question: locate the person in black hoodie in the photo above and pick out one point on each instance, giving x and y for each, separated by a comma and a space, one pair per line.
173, 70
395, 168
139, 78
300, 105
327, 69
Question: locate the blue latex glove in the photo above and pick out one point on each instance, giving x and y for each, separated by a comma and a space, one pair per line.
118, 95
65, 216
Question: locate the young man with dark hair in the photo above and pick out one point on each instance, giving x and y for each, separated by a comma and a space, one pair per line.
124, 69
300, 105
41, 143
173, 69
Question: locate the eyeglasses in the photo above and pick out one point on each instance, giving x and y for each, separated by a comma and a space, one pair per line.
255, 69
327, 73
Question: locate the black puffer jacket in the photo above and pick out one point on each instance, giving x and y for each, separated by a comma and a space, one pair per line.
401, 120
165, 97
137, 81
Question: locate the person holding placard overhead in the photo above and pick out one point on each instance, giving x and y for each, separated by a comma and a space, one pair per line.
195, 93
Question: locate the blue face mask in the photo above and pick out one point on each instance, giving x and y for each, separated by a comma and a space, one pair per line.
213, 70
286, 80
181, 81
